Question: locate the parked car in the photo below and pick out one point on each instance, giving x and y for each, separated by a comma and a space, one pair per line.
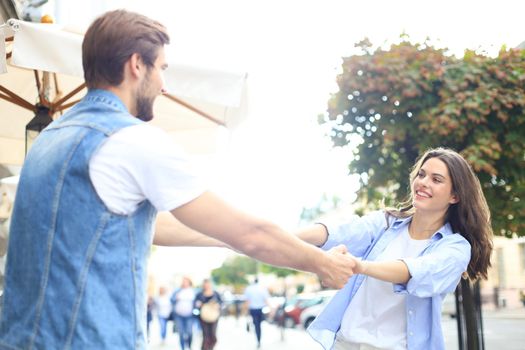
309, 314
294, 308
269, 311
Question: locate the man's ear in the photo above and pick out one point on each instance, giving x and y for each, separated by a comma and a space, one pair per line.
135, 65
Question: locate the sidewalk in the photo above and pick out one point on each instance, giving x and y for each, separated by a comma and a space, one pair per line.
505, 313
232, 335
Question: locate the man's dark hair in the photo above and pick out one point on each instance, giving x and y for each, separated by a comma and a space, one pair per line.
112, 39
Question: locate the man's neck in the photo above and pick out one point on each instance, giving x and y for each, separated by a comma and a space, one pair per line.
125, 96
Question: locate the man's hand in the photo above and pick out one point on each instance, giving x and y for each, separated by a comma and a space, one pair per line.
339, 267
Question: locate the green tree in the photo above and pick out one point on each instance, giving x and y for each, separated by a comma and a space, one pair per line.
396, 103
234, 271
278, 271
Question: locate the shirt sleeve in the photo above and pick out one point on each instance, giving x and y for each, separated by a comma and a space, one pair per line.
142, 162
357, 233
439, 270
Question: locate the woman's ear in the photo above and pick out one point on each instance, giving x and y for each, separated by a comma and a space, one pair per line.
454, 199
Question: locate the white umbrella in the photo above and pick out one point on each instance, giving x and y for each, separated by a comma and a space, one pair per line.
201, 101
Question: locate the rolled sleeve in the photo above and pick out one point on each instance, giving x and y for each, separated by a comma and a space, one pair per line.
357, 233
439, 270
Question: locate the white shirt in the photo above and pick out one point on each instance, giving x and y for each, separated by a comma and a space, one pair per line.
256, 295
141, 162
163, 304
184, 302
376, 315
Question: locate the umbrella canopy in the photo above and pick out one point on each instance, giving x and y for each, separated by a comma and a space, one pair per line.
43, 65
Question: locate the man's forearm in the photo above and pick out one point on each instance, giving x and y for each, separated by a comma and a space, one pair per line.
171, 232
263, 240
270, 244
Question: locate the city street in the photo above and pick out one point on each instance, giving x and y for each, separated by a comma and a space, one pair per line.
232, 335
502, 330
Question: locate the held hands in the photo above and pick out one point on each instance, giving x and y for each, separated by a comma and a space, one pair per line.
340, 266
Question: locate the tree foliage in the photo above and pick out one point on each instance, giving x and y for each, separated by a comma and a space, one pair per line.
397, 103
235, 271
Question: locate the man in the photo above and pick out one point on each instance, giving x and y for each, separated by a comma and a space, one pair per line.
87, 199
256, 298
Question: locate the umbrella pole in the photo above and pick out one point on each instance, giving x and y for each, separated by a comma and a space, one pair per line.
196, 110
57, 105
14, 98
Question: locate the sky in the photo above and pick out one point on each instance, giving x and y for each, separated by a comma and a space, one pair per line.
279, 160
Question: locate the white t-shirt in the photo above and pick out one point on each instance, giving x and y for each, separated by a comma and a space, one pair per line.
256, 295
376, 315
184, 302
141, 162
164, 306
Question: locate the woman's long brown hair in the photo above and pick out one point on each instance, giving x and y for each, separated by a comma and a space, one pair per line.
470, 216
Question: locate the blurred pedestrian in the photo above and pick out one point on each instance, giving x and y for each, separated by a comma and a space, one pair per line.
257, 297
163, 309
149, 314
208, 302
183, 300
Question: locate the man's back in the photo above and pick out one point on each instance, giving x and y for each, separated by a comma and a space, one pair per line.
75, 273
256, 296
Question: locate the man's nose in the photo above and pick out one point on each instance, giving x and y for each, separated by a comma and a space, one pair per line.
163, 89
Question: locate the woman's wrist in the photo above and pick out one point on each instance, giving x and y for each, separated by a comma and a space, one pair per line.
362, 266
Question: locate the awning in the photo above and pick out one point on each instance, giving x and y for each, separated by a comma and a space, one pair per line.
201, 103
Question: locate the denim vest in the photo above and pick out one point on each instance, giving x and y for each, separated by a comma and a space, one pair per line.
76, 273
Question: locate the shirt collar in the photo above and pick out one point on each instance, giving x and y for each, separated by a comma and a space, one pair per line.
443, 231
105, 96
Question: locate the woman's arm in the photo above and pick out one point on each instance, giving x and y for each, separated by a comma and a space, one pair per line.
316, 234
395, 271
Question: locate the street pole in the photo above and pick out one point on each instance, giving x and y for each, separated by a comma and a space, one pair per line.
469, 316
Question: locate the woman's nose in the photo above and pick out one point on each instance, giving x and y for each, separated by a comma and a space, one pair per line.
424, 181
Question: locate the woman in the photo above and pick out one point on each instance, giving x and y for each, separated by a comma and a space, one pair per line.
183, 300
210, 300
407, 260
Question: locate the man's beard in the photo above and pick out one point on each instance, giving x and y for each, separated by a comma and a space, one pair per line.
144, 103
144, 108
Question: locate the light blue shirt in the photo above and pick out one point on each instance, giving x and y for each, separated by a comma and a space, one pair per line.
434, 273
256, 295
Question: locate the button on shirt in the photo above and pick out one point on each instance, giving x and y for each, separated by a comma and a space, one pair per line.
434, 273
